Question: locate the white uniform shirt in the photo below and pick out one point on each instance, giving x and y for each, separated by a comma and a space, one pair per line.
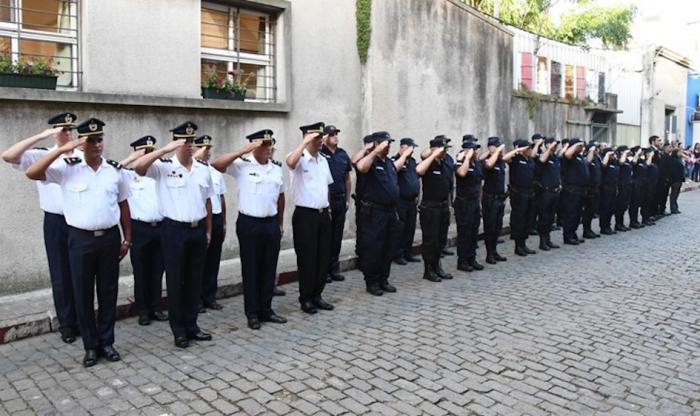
50, 197
143, 202
259, 186
90, 198
182, 194
217, 180
310, 180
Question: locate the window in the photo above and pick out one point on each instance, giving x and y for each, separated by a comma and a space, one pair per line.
601, 87
239, 43
526, 70
542, 86
556, 79
580, 82
42, 29
569, 82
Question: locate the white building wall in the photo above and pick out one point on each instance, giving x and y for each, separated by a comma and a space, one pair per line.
625, 80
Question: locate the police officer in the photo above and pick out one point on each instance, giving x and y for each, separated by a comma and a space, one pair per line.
311, 220
649, 188
547, 188
469, 174
95, 192
340, 166
409, 189
624, 189
378, 215
21, 155
592, 200
184, 190
575, 180
608, 190
367, 146
445, 225
663, 186
260, 222
436, 176
639, 177
146, 253
522, 176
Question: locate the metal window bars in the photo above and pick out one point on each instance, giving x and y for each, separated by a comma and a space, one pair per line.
48, 30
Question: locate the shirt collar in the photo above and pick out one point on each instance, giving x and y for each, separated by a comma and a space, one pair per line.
308, 157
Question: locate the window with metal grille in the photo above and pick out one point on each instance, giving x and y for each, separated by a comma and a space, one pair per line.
556, 79
238, 44
33, 32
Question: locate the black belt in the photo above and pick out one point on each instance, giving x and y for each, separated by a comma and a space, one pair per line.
519, 190
146, 223
191, 224
471, 195
434, 204
272, 217
317, 210
93, 233
495, 196
575, 188
371, 204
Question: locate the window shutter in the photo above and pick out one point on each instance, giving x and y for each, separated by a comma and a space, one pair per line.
580, 82
555, 88
526, 69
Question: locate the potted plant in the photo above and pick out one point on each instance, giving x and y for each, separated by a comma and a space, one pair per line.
222, 87
31, 73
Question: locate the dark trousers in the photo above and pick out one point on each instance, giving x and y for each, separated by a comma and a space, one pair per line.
379, 227
547, 202
56, 244
492, 208
444, 227
663, 187
571, 209
147, 261
637, 201
591, 206
184, 252
622, 203
522, 207
358, 230
406, 228
94, 264
608, 196
312, 245
432, 215
338, 210
259, 242
467, 216
675, 191
649, 207
210, 279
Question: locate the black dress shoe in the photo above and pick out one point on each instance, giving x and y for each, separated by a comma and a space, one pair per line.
589, 234
159, 316
620, 228
580, 240
200, 336
551, 245
322, 304
375, 290
337, 277
465, 267
520, 251
144, 320
309, 307
254, 323
491, 260
214, 305
528, 250
500, 241
90, 358
278, 292
411, 259
675, 212
498, 257
442, 274
68, 335
607, 231
571, 241
447, 252
635, 225
182, 342
274, 318
400, 261
387, 287
110, 353
533, 232
476, 265
543, 245
328, 279
202, 309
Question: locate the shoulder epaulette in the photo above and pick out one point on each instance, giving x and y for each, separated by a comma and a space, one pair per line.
276, 162
116, 165
41, 148
72, 160
166, 160
202, 162
125, 168
245, 159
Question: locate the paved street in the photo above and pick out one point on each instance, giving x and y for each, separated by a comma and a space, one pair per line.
612, 327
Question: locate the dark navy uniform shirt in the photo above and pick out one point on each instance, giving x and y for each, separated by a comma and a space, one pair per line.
495, 178
409, 181
611, 173
339, 164
625, 173
640, 171
381, 185
677, 169
437, 181
450, 162
595, 172
548, 174
575, 171
470, 184
522, 172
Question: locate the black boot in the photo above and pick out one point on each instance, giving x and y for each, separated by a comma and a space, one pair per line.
476, 265
464, 266
520, 249
550, 244
527, 249
543, 243
429, 273
441, 273
589, 234
490, 250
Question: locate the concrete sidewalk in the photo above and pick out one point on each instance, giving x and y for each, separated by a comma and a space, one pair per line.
32, 313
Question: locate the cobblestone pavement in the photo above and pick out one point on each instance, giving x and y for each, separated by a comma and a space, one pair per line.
610, 327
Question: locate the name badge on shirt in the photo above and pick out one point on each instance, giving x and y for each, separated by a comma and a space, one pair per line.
496, 168
437, 172
550, 162
379, 168
522, 162
175, 180
471, 170
254, 177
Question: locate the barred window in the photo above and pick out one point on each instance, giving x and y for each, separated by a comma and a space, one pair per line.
238, 44
32, 31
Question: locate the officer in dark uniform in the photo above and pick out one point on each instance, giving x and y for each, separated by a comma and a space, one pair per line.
378, 215
624, 188
532, 221
592, 201
649, 188
522, 201
340, 166
547, 188
445, 225
663, 186
367, 146
575, 180
608, 190
639, 177
436, 178
469, 174
564, 147
409, 189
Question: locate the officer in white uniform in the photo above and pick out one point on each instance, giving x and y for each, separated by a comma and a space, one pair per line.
260, 222
311, 221
21, 155
210, 281
95, 192
146, 253
184, 188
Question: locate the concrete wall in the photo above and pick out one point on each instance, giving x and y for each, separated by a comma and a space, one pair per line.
670, 84
550, 118
629, 134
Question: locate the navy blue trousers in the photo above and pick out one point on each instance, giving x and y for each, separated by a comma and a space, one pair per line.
147, 261
547, 203
210, 279
406, 229
338, 210
622, 203
56, 243
571, 204
608, 197
467, 218
377, 243
312, 245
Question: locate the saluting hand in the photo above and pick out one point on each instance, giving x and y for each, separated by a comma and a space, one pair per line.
72, 145
381, 146
552, 146
174, 145
408, 151
368, 147
309, 137
248, 148
500, 148
436, 151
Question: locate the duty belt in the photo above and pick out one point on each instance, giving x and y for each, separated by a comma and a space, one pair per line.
190, 224
319, 210
146, 223
539, 187
93, 233
434, 204
371, 204
489, 195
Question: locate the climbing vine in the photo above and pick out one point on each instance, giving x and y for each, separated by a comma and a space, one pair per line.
363, 14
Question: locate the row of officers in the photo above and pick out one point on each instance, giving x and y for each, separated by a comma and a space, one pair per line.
172, 213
